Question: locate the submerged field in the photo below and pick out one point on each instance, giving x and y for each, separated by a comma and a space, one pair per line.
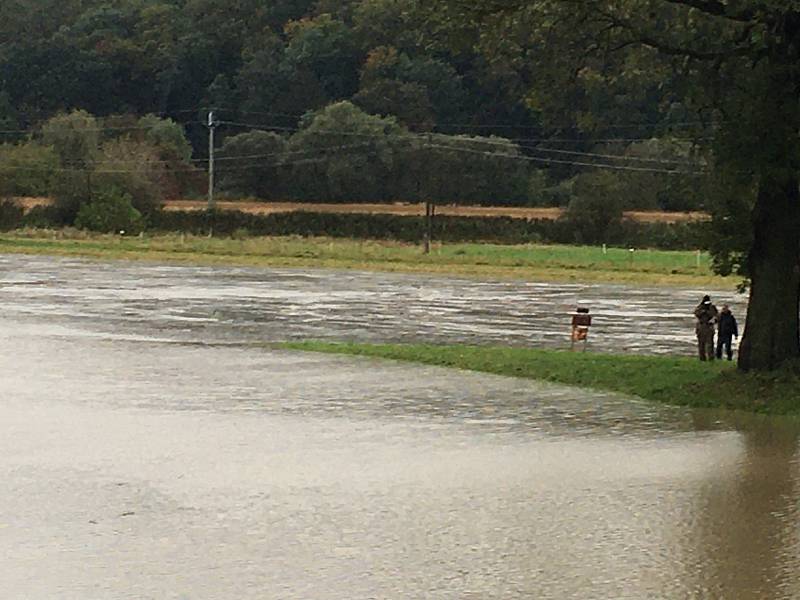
526, 262
671, 380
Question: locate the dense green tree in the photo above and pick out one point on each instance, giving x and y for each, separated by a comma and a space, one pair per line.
249, 164
92, 158
75, 137
643, 186
135, 168
40, 19
280, 12
384, 93
738, 58
27, 169
423, 88
9, 120
43, 77
111, 210
341, 154
407, 101
393, 23
270, 87
596, 207
167, 136
325, 48
173, 150
470, 170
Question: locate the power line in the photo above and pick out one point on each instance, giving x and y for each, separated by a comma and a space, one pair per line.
664, 161
567, 162
259, 127
187, 169
623, 140
666, 125
518, 157
88, 129
687, 123
426, 138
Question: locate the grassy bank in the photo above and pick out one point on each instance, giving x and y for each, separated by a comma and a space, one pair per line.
670, 380
527, 262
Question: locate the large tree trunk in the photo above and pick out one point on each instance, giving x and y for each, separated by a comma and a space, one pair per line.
772, 333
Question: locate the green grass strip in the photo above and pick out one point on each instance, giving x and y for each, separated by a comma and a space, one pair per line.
671, 380
530, 262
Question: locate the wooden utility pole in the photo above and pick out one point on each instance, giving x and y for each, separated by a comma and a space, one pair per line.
429, 205
211, 125
428, 225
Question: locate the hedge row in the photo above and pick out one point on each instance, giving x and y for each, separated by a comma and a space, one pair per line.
506, 230
12, 216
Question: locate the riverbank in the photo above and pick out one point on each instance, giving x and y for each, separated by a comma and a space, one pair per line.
528, 262
670, 380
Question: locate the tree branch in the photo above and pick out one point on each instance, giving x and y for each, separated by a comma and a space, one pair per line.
637, 36
716, 8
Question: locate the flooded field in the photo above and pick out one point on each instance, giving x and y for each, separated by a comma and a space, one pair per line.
150, 448
236, 305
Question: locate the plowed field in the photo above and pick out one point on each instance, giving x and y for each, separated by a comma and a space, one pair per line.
398, 208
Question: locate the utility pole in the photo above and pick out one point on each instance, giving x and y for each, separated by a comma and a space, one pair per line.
428, 225
429, 210
211, 125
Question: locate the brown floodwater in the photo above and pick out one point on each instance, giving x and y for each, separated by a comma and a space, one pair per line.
150, 448
241, 305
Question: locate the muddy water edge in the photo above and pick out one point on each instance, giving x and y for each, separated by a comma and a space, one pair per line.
150, 447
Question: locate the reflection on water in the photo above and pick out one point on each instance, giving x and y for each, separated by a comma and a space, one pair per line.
749, 518
139, 463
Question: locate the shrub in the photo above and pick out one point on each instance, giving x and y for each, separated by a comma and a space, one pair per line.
110, 211
27, 169
44, 217
595, 211
74, 137
135, 168
10, 215
249, 164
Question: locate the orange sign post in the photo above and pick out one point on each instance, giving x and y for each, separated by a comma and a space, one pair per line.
581, 321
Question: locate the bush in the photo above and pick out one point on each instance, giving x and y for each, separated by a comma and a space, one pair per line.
44, 217
595, 211
10, 215
134, 168
74, 137
110, 211
249, 164
342, 154
27, 169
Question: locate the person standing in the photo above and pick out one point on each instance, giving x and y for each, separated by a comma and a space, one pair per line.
706, 314
728, 329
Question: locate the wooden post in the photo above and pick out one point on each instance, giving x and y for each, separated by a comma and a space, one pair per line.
428, 225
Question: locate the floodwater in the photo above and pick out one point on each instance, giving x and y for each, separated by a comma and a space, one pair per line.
151, 448
237, 305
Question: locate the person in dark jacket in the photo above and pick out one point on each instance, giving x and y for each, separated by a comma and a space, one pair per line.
706, 315
726, 332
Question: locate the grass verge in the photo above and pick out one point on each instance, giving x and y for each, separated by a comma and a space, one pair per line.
583, 264
670, 380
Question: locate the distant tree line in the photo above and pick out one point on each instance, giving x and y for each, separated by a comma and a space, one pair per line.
127, 165
346, 100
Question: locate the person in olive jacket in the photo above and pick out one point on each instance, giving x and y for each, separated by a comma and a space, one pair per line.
706, 314
728, 329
